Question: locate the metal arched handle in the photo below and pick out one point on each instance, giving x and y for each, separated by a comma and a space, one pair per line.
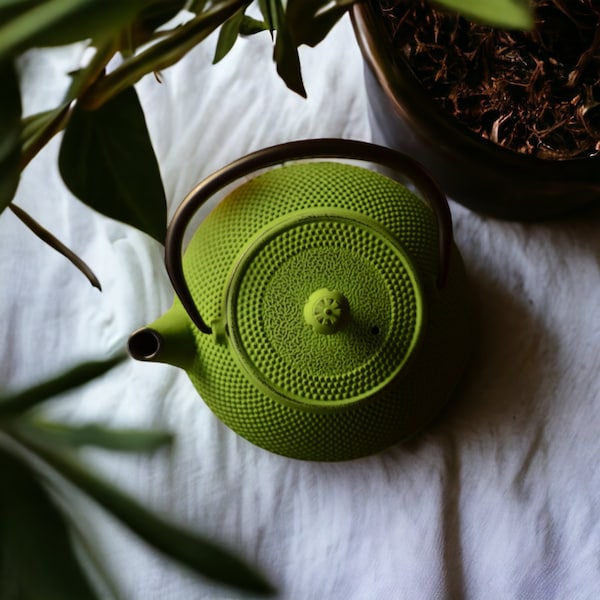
303, 149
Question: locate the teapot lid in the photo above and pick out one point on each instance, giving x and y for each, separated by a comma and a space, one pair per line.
323, 308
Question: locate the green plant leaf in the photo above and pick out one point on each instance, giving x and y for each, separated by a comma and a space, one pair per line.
9, 9
161, 55
252, 26
59, 22
151, 17
106, 159
509, 14
10, 133
228, 34
286, 57
23, 401
55, 244
310, 21
34, 531
285, 53
269, 13
203, 556
122, 440
158, 12
197, 6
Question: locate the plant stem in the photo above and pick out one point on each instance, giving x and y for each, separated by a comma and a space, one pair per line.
161, 55
86, 77
33, 144
82, 81
91, 89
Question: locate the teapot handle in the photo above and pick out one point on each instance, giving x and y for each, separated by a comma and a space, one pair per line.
303, 149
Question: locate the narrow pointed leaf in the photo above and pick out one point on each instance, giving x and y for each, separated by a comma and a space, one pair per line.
310, 21
322, 25
151, 17
107, 160
285, 53
158, 12
288, 62
266, 10
197, 6
38, 538
32, 397
203, 556
252, 26
228, 35
510, 14
123, 440
10, 133
56, 244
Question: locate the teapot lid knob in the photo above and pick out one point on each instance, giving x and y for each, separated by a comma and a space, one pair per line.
326, 311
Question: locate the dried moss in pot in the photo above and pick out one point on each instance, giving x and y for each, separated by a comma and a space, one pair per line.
535, 92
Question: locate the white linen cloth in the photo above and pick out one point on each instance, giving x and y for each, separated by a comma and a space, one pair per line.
499, 499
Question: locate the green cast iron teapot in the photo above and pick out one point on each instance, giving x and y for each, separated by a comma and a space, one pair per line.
321, 309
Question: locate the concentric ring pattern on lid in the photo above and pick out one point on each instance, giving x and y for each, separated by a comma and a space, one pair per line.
323, 308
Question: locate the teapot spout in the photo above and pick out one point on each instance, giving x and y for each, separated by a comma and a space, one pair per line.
168, 340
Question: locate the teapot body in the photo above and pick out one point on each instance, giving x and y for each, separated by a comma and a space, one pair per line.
307, 247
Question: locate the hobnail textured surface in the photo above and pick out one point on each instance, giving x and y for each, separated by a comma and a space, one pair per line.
279, 275
257, 260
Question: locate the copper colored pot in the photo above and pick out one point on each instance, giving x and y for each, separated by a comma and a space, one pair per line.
473, 171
